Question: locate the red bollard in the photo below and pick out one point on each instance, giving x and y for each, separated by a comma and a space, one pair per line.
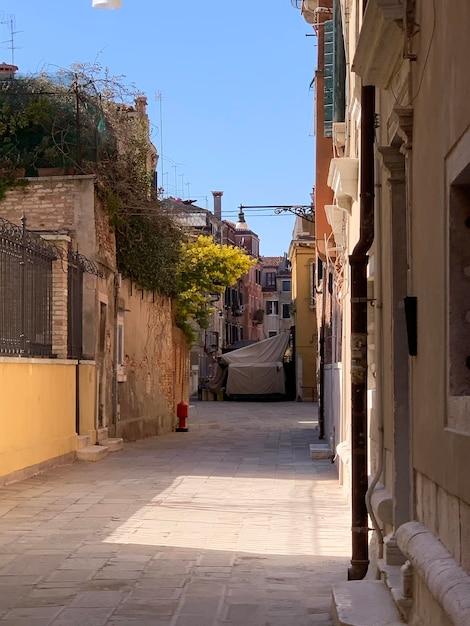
182, 414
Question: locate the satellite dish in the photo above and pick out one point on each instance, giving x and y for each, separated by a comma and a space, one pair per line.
106, 4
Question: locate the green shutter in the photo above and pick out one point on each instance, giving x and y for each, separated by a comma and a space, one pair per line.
339, 73
329, 77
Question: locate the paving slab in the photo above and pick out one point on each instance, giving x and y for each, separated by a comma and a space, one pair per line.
229, 524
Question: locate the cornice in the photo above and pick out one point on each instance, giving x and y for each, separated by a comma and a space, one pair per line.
380, 44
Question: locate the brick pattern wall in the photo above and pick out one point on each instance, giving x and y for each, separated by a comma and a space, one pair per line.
47, 203
59, 299
105, 239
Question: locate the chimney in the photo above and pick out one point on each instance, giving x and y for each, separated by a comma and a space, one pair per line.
7, 71
141, 105
218, 204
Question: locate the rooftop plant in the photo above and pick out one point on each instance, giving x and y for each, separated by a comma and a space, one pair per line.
86, 119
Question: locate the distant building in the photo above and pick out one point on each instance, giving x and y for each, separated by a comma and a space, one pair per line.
244, 299
302, 256
276, 284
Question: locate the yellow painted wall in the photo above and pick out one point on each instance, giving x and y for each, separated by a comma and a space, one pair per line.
37, 412
305, 319
87, 392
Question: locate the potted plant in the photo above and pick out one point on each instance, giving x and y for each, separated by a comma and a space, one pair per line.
52, 161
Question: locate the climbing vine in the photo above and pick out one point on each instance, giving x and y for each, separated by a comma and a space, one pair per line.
9, 180
92, 122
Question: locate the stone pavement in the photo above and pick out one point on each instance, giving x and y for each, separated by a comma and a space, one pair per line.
229, 524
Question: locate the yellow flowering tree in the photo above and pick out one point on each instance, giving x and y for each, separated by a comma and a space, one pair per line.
206, 268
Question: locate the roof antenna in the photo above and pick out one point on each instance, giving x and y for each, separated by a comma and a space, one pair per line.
10, 21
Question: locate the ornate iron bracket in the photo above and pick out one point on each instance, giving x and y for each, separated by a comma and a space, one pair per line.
306, 212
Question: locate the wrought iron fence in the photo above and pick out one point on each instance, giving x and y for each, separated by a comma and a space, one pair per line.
25, 291
26, 297
75, 307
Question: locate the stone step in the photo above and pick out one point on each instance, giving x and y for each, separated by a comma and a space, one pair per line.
364, 603
392, 576
83, 441
92, 453
113, 443
101, 434
320, 451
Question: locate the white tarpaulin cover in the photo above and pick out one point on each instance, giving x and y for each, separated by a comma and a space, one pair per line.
270, 350
255, 378
253, 370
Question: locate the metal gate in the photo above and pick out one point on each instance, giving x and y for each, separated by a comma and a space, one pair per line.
25, 291
74, 307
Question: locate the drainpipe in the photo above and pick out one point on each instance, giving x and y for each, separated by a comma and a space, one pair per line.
321, 404
358, 262
378, 319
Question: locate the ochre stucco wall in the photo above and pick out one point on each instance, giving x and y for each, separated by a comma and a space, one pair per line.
441, 120
87, 396
37, 412
305, 320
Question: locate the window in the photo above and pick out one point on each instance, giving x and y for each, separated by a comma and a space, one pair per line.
319, 271
459, 305
258, 277
272, 307
120, 354
211, 341
234, 333
286, 285
328, 73
272, 333
271, 279
285, 311
313, 285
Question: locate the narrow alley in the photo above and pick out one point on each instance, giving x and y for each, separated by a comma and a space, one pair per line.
231, 523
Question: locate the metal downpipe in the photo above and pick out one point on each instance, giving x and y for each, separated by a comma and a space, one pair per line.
358, 262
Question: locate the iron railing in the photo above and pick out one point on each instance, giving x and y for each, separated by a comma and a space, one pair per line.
25, 291
74, 307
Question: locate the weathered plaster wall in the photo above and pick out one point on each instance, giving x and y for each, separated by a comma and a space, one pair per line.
156, 365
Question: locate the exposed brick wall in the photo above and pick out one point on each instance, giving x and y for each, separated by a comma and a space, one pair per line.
59, 299
105, 239
47, 203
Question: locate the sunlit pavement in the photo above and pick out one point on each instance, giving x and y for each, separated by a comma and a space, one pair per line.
231, 523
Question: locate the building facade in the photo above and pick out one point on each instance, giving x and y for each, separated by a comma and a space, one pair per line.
243, 300
302, 257
399, 217
276, 285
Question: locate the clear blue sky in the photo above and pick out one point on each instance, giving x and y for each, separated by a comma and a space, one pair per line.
236, 112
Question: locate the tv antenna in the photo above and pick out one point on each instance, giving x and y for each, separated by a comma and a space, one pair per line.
9, 21
159, 98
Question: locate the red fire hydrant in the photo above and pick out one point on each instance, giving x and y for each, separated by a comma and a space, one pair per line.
182, 414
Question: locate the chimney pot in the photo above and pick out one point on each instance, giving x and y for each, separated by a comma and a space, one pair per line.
218, 204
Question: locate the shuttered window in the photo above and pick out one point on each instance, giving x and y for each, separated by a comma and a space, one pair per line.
329, 78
